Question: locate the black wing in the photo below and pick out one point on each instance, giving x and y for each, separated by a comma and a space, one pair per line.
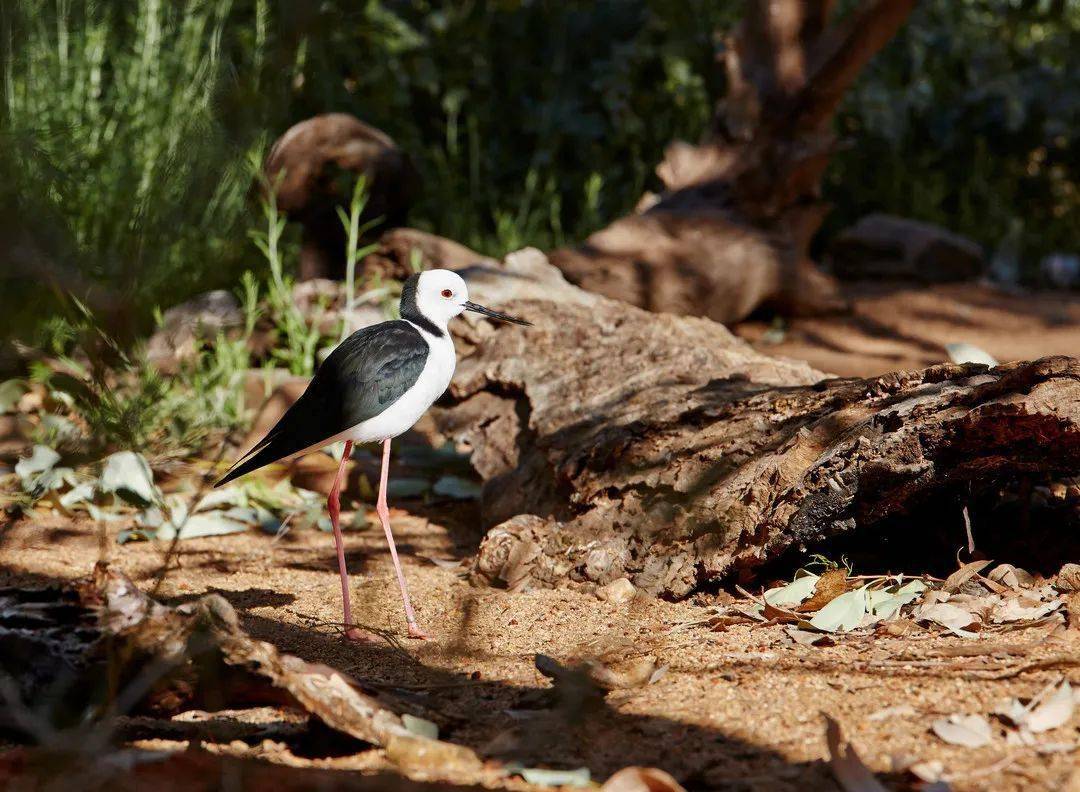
368, 372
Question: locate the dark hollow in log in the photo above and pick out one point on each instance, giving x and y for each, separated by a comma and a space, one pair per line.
619, 443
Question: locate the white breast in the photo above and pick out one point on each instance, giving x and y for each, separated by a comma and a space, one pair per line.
406, 411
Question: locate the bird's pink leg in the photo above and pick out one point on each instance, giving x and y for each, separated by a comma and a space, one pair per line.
384, 517
333, 505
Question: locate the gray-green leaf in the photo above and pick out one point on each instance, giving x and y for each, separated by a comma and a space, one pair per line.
793, 593
553, 778
128, 475
10, 392
421, 727
457, 487
41, 458
844, 613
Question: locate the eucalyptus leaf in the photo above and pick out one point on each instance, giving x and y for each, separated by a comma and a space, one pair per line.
970, 731
102, 515
962, 352
226, 496
844, 613
10, 392
421, 727
887, 602
554, 778
201, 524
80, 493
127, 475
793, 593
457, 487
57, 428
41, 458
407, 487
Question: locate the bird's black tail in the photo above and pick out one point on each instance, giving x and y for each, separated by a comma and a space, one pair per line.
276, 445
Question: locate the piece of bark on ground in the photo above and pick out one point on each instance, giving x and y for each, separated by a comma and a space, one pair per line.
107, 634
618, 443
733, 227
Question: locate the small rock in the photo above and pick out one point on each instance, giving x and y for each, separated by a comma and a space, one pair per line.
1068, 579
617, 591
184, 324
886, 246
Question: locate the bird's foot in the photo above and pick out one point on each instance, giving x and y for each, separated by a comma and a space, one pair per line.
360, 636
417, 633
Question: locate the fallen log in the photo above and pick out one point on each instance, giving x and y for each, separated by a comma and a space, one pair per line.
618, 443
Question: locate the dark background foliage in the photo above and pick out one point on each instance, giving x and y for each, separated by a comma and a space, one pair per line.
531, 122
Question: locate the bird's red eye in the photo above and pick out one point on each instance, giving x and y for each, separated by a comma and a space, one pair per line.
447, 293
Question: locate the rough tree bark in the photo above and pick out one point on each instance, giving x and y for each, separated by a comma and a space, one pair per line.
733, 226
615, 442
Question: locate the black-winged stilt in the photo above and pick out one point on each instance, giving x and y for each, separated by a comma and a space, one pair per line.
374, 386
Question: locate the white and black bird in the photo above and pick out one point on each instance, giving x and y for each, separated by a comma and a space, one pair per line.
373, 387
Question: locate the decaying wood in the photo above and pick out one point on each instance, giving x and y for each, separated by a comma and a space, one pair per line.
619, 443
733, 226
109, 635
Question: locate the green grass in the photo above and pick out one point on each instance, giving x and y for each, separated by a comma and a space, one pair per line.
110, 110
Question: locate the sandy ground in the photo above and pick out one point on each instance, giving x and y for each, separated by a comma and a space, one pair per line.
904, 326
738, 709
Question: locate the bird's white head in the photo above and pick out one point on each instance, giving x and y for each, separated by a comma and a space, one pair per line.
436, 296
440, 295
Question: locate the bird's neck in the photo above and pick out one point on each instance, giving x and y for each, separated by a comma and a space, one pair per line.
410, 313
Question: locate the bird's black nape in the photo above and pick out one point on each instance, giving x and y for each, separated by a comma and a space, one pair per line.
410, 311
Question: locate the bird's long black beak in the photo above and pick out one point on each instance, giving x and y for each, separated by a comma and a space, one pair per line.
471, 306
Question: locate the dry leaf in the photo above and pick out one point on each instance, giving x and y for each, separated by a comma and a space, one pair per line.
898, 628
780, 615
952, 617
828, 587
847, 768
1072, 609
970, 731
929, 771
897, 711
965, 573
1013, 609
1068, 579
1055, 711
641, 779
1009, 575
808, 638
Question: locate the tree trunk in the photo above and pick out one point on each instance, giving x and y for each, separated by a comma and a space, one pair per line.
615, 442
733, 227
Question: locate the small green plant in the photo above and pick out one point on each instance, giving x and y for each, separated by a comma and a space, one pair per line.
298, 339
824, 563
350, 220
